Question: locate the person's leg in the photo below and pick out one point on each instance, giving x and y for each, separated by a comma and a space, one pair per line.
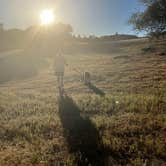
59, 84
62, 84
62, 80
58, 80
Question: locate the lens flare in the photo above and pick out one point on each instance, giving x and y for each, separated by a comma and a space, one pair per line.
47, 17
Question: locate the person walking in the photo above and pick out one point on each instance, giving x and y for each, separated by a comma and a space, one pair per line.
59, 67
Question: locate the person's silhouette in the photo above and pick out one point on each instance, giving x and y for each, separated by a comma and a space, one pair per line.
59, 67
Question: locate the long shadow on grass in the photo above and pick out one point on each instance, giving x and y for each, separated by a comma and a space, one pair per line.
81, 134
95, 89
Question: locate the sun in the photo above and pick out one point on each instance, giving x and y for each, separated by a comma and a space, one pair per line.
47, 17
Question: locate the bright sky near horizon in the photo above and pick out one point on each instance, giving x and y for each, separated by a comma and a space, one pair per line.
87, 17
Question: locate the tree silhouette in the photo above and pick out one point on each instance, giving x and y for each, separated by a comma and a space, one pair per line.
153, 19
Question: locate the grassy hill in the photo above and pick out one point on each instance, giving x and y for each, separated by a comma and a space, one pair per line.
120, 119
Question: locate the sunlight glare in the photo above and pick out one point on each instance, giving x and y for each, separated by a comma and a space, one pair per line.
47, 17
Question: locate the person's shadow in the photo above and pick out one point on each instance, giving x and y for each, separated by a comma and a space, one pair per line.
95, 89
81, 134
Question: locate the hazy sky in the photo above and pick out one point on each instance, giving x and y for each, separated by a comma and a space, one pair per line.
86, 16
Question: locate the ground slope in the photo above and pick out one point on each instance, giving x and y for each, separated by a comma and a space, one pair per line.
118, 119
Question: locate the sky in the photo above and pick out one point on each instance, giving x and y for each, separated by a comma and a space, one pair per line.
87, 17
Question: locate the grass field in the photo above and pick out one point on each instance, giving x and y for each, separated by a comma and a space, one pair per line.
119, 120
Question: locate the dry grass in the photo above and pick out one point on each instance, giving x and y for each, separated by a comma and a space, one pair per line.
129, 122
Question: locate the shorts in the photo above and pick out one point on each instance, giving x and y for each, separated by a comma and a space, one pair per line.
59, 73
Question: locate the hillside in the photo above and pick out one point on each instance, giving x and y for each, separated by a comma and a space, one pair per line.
120, 119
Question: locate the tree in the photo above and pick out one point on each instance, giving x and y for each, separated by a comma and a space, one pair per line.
152, 19
1, 27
